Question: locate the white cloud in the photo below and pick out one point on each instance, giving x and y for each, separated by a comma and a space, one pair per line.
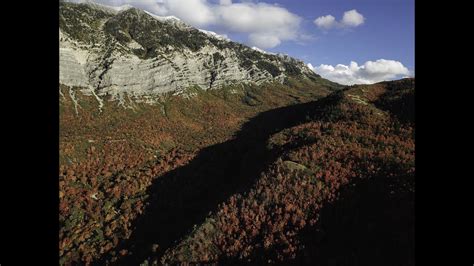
369, 72
265, 25
153, 6
325, 22
194, 12
225, 2
350, 19
265, 41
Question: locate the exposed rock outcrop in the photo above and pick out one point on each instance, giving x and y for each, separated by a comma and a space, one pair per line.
125, 50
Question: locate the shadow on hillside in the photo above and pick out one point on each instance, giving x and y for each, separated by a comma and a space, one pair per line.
183, 197
371, 224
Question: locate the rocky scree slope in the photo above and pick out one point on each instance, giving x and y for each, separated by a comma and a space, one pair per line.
118, 51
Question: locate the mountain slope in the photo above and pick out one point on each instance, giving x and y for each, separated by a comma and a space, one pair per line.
129, 51
110, 160
189, 186
343, 174
161, 123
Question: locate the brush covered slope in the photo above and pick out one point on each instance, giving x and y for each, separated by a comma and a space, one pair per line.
270, 158
110, 159
167, 132
142, 96
338, 188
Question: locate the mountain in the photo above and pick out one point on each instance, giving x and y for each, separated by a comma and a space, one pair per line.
180, 146
142, 96
123, 50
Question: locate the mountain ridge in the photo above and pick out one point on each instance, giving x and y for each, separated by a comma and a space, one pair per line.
130, 51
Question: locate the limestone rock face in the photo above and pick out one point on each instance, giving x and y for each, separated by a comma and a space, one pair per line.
72, 72
129, 51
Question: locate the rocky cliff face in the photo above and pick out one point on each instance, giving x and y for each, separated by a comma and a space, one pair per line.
117, 51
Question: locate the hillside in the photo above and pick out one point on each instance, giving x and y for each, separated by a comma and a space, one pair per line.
133, 191
338, 188
178, 145
118, 153
142, 95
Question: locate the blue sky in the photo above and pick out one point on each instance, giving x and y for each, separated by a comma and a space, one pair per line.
387, 32
353, 41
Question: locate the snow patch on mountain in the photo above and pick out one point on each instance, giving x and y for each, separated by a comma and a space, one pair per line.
262, 51
259, 50
215, 35
162, 18
106, 8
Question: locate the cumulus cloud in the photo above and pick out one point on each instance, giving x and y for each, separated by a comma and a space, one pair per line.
325, 22
225, 2
369, 72
350, 19
195, 12
261, 40
266, 25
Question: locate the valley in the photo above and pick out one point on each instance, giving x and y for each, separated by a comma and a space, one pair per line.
179, 146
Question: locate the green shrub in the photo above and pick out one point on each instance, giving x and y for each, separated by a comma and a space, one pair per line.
271, 68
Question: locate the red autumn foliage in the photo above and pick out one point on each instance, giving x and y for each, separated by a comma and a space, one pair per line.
348, 141
104, 189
